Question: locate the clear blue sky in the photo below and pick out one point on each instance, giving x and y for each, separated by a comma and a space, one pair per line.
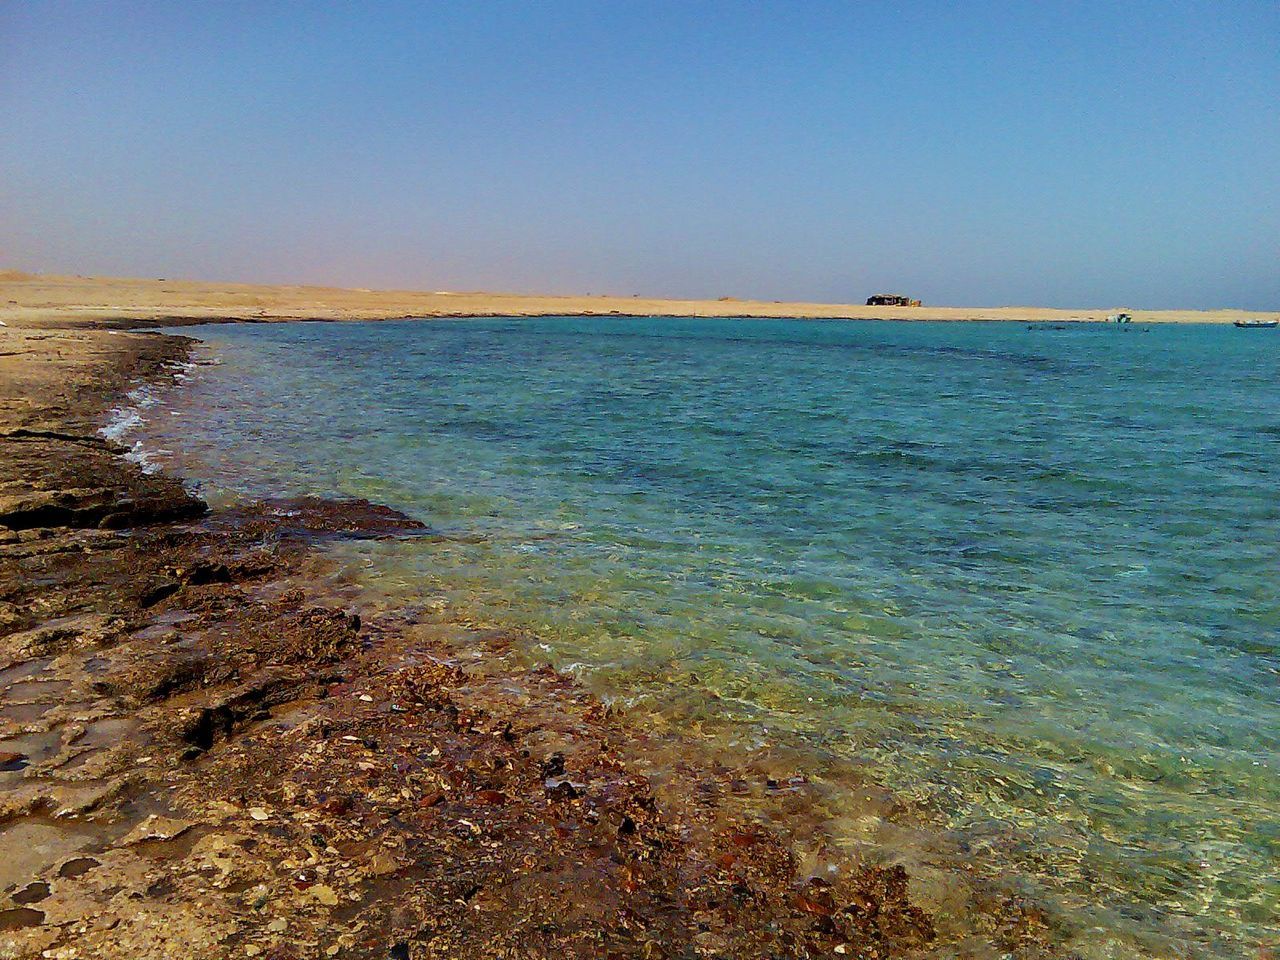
1072, 154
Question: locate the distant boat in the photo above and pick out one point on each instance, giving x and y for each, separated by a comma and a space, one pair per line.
1120, 318
1258, 324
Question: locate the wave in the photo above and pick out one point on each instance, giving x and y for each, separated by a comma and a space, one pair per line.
129, 417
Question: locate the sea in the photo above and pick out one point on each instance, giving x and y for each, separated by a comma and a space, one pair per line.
1026, 577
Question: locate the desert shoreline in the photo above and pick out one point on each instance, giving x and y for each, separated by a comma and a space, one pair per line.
213, 751
207, 756
38, 299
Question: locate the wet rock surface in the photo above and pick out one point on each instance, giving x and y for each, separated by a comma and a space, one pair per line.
207, 752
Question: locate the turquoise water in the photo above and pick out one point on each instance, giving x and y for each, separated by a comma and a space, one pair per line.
1026, 578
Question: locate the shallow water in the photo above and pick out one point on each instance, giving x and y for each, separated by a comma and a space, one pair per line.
1027, 578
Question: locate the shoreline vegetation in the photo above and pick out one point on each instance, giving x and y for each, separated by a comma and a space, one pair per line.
208, 748
40, 298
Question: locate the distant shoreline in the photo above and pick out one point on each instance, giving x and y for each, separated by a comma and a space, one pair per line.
38, 299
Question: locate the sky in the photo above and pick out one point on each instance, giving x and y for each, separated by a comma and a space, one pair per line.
1074, 154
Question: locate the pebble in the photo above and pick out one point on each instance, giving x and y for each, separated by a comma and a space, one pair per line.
324, 893
259, 814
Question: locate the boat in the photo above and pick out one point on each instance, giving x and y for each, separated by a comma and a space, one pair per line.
1257, 324
1120, 318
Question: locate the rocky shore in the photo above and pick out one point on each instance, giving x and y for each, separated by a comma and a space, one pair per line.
208, 749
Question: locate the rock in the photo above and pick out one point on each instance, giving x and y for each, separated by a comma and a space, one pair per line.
156, 827
104, 507
818, 906
64, 634
206, 572
170, 505
157, 592
383, 864
10, 615
325, 894
40, 508
563, 788
356, 518
223, 717
553, 766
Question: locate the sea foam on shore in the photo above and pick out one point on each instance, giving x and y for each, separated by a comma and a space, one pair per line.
130, 417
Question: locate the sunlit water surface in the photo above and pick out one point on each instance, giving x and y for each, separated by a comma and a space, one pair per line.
1025, 577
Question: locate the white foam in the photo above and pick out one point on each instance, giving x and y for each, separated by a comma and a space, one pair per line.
127, 418
144, 458
123, 420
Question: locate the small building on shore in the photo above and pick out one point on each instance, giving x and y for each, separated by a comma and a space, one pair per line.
891, 300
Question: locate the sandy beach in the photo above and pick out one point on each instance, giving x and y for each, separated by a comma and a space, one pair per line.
40, 298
